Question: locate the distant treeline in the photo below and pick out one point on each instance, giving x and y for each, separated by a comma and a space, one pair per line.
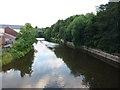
100, 31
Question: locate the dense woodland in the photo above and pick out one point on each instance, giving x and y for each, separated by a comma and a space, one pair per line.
100, 31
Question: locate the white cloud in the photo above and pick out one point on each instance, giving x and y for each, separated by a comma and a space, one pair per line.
43, 12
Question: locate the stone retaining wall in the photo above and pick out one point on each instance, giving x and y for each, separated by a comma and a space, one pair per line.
103, 54
106, 57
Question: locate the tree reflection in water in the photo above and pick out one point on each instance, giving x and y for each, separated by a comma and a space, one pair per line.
24, 64
94, 73
97, 73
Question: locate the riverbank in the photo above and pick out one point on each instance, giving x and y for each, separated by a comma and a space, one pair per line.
70, 68
24, 43
103, 56
8, 56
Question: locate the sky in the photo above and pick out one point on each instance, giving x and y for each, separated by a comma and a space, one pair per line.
43, 13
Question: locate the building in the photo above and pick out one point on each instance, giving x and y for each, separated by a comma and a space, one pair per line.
8, 34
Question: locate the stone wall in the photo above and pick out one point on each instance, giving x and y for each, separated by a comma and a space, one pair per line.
106, 57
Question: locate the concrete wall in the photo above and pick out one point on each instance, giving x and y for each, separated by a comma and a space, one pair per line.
70, 44
103, 56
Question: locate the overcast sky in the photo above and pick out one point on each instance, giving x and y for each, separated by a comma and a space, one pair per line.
43, 13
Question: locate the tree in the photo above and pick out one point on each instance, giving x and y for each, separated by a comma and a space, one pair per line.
75, 30
99, 31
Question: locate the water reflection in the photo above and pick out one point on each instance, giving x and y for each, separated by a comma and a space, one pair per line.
57, 66
24, 65
97, 73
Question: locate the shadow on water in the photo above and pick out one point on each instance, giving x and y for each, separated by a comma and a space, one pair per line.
97, 73
76, 66
24, 64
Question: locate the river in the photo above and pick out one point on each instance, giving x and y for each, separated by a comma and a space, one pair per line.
52, 65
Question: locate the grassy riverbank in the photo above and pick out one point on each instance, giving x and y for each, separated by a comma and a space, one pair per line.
11, 55
21, 46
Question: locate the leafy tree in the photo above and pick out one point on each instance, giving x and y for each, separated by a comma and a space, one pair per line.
22, 46
75, 29
99, 31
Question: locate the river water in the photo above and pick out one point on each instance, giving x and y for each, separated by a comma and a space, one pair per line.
51, 65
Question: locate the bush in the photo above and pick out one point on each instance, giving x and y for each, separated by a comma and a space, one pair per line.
22, 46
55, 40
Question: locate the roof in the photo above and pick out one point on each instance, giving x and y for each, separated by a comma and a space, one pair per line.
10, 31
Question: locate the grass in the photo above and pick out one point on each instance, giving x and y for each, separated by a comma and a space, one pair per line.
7, 58
9, 55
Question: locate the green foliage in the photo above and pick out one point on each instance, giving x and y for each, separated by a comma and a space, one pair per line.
48, 34
97, 31
40, 32
22, 46
55, 40
77, 28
